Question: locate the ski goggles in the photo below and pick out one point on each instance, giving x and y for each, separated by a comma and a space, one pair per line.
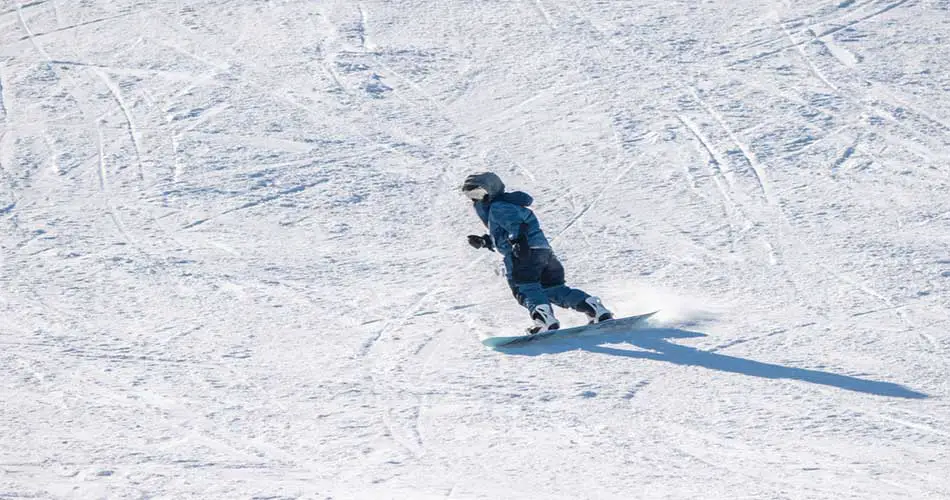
474, 192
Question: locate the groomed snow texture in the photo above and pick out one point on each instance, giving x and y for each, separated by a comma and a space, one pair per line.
233, 259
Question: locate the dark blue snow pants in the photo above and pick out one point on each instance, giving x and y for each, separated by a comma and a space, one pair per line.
538, 278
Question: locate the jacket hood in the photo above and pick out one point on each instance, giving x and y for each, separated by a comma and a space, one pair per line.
488, 181
519, 198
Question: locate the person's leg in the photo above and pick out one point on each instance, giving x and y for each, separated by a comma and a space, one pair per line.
526, 287
525, 282
552, 280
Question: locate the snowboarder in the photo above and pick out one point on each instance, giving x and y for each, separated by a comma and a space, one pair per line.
535, 275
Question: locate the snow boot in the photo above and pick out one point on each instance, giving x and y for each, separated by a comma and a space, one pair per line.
544, 319
595, 310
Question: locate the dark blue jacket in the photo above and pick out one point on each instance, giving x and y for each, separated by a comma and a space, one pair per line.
508, 217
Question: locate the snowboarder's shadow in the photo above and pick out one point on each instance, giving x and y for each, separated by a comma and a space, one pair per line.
654, 344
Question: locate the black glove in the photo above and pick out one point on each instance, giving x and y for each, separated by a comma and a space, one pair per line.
483, 241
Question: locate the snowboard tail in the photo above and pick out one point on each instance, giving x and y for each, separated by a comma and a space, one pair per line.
605, 326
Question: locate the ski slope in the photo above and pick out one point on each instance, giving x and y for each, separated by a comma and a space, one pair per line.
233, 259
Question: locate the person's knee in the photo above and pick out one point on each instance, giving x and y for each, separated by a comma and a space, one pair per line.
557, 294
553, 275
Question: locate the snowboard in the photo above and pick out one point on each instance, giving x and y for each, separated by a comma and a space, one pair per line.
605, 326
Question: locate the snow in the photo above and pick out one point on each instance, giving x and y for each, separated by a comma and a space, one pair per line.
233, 259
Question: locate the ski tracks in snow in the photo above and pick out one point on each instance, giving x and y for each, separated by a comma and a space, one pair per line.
871, 105
742, 222
399, 377
104, 188
74, 84
402, 425
860, 101
758, 169
544, 13
773, 214
198, 426
133, 133
715, 166
404, 422
4, 98
885, 9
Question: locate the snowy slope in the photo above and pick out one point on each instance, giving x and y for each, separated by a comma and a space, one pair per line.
234, 260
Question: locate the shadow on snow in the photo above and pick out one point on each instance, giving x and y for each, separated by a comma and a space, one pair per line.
659, 348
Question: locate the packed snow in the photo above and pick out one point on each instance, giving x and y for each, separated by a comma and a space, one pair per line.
233, 260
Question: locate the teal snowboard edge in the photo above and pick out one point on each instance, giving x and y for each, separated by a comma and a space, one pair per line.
606, 326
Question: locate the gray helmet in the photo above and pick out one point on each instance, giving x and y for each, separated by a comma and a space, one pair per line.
487, 181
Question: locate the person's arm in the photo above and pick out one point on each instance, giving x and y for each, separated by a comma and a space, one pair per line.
509, 229
483, 241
